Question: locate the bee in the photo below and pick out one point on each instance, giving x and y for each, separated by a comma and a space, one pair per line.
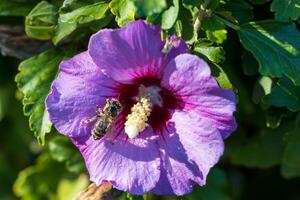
105, 118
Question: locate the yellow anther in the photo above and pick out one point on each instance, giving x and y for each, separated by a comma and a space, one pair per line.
137, 119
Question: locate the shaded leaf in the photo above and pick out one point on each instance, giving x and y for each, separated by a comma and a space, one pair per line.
249, 64
209, 4
62, 150
48, 179
184, 23
5, 93
284, 93
124, 10
29, 185
216, 188
262, 87
34, 80
289, 171
286, 9
16, 7
240, 9
275, 46
41, 21
264, 150
291, 154
259, 2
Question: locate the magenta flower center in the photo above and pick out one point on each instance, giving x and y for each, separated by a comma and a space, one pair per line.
163, 100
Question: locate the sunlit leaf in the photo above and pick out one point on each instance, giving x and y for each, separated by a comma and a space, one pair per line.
170, 15
124, 10
34, 80
215, 30
276, 47
41, 21
213, 53
73, 15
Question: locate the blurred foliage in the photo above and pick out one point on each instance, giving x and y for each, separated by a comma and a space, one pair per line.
252, 47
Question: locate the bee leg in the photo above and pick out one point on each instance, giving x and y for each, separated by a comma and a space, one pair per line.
95, 137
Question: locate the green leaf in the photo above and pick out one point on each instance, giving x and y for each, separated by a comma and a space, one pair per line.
69, 188
284, 93
209, 4
259, 2
40, 180
62, 150
5, 93
16, 7
213, 53
286, 9
48, 179
34, 80
240, 9
184, 23
147, 8
41, 21
73, 15
124, 10
216, 188
221, 76
262, 87
215, 29
291, 154
76, 164
275, 46
289, 171
169, 16
249, 64
263, 151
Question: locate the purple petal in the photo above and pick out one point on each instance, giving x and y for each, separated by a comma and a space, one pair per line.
190, 78
189, 150
129, 165
77, 91
132, 51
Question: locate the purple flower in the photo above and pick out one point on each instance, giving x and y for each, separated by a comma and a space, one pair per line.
174, 116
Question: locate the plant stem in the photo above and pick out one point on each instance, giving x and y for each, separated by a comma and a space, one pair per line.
198, 21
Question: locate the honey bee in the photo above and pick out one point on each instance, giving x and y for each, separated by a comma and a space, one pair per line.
105, 118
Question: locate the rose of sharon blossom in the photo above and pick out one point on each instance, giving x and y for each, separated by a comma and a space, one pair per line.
174, 115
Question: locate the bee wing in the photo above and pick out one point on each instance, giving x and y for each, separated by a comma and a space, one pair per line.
111, 131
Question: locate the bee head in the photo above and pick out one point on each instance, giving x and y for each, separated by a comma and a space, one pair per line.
115, 107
